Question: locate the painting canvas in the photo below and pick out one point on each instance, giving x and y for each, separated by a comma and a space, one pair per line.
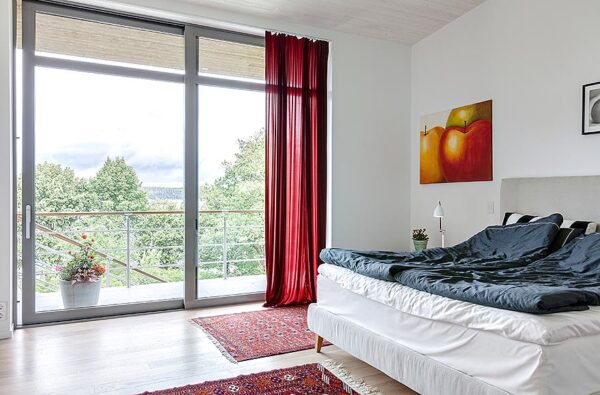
456, 145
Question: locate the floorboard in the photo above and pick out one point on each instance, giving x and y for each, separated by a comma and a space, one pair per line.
141, 353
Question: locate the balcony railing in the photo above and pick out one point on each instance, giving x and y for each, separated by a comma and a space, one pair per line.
144, 247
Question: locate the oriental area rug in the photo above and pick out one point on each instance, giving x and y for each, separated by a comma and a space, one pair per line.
311, 379
257, 334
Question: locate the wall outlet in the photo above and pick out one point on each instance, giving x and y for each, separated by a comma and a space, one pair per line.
3, 312
491, 207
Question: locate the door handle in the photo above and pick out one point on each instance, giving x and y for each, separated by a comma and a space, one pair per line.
28, 222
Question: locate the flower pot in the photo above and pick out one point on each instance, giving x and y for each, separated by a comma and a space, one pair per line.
420, 244
79, 294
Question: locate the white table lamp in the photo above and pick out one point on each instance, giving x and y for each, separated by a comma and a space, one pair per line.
439, 213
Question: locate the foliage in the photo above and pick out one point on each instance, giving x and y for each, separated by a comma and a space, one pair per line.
420, 234
242, 186
156, 241
116, 187
57, 188
160, 237
83, 266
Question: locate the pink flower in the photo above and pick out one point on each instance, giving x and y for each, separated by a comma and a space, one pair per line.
58, 268
83, 236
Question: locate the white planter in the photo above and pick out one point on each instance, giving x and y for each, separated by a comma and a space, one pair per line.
420, 244
80, 294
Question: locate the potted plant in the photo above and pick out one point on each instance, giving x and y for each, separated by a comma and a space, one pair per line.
80, 277
420, 239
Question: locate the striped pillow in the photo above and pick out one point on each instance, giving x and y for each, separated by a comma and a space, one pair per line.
564, 236
513, 218
588, 227
516, 218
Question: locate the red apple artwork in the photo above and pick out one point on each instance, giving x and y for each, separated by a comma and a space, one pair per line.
431, 169
464, 145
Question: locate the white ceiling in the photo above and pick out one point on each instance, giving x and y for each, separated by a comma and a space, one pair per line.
405, 21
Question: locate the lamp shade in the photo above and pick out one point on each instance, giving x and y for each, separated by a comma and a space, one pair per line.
439, 211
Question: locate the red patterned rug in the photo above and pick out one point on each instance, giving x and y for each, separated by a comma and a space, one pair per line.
257, 334
325, 378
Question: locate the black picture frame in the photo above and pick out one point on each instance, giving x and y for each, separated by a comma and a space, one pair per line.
590, 98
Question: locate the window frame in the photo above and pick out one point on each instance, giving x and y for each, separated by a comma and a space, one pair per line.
191, 80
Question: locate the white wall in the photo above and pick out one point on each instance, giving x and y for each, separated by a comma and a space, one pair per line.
531, 57
5, 164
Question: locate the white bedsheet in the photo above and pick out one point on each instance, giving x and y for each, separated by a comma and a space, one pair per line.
515, 366
544, 329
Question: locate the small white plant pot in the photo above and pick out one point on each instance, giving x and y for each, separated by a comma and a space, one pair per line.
80, 294
420, 244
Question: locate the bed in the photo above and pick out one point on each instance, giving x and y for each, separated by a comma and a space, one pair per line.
437, 345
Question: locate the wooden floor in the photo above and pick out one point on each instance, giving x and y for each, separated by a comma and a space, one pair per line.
141, 353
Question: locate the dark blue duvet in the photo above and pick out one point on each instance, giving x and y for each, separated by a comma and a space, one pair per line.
567, 280
502, 266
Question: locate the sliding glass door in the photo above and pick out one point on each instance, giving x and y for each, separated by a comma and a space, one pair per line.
103, 164
225, 86
142, 184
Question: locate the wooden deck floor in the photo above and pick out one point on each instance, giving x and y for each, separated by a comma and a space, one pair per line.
133, 354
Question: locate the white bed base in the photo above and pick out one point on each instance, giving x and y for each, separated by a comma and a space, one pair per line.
418, 372
574, 197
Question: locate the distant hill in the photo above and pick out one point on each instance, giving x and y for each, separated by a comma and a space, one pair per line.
164, 193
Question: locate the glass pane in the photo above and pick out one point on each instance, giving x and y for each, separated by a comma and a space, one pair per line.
85, 40
230, 59
109, 171
231, 154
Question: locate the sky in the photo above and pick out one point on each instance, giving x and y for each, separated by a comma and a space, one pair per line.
82, 118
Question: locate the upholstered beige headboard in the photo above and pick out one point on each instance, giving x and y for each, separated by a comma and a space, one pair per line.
576, 198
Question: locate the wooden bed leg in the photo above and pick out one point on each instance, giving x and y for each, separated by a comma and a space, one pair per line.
318, 343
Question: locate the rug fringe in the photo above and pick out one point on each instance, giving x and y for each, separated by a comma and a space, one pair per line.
357, 384
214, 341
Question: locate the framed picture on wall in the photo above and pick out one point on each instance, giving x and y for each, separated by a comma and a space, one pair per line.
456, 145
591, 109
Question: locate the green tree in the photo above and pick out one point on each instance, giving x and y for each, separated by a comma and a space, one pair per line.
157, 240
242, 186
57, 189
116, 187
160, 237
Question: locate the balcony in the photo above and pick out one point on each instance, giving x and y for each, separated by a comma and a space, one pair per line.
143, 253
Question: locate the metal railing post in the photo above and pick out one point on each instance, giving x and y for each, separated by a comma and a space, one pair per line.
132, 263
128, 247
107, 273
225, 263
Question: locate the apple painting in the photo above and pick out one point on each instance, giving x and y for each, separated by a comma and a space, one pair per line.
431, 169
469, 114
460, 151
466, 153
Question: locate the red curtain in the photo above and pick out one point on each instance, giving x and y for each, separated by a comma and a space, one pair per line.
296, 166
